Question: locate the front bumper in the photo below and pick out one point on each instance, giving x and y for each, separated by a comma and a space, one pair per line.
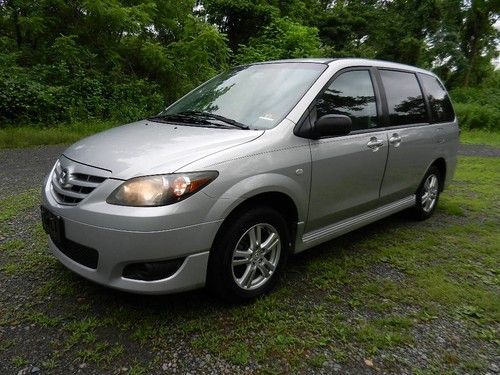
119, 248
125, 236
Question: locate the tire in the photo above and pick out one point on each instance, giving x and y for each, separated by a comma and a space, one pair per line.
427, 195
231, 275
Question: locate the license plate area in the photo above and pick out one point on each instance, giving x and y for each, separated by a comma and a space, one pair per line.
53, 225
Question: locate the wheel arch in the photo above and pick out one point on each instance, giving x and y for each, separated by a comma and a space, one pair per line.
440, 164
277, 200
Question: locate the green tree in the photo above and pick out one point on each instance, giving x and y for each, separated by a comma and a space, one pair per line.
467, 40
282, 39
239, 19
242, 20
390, 30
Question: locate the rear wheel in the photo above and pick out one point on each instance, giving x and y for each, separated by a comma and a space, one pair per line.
248, 255
428, 194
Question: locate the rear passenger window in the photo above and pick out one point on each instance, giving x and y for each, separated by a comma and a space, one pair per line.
350, 94
440, 103
404, 98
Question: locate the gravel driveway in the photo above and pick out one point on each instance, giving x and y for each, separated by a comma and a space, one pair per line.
22, 169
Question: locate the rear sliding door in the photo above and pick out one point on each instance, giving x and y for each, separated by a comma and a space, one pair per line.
411, 138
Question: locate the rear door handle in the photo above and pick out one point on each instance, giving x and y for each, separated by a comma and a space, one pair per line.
375, 143
395, 140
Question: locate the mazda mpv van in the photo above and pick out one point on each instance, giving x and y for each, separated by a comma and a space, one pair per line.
260, 162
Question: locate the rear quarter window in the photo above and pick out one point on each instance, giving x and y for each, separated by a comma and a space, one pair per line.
441, 108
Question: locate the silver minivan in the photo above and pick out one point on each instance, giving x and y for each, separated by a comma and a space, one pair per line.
260, 162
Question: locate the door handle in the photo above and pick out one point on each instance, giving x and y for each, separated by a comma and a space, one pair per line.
375, 143
395, 140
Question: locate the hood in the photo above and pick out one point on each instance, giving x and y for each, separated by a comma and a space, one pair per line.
147, 147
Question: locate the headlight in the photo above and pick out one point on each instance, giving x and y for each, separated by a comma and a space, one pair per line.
160, 190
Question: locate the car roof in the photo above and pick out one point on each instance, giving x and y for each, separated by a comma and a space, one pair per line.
348, 62
318, 60
377, 63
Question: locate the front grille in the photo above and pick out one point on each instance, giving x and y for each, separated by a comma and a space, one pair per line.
71, 188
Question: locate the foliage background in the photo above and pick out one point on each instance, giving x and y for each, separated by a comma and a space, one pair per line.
77, 61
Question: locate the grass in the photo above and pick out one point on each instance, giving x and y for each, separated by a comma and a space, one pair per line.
25, 136
14, 205
480, 137
19, 361
394, 286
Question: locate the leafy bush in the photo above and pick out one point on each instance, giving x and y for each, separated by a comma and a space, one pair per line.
30, 97
477, 116
488, 93
134, 99
25, 99
479, 107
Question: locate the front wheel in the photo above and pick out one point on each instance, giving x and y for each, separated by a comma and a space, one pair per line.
248, 255
428, 194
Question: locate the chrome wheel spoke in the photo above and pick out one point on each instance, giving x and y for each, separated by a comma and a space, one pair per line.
431, 204
248, 276
427, 204
255, 236
240, 262
427, 185
262, 268
242, 257
270, 243
425, 197
268, 249
243, 253
268, 265
433, 182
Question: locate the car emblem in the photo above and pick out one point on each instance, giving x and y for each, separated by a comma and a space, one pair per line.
64, 177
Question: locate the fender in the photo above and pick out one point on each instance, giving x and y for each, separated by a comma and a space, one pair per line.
255, 185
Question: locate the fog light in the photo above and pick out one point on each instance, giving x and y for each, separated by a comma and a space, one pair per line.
151, 271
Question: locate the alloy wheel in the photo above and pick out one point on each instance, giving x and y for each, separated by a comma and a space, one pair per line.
430, 193
256, 256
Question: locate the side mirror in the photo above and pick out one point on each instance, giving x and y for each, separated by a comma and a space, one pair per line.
332, 126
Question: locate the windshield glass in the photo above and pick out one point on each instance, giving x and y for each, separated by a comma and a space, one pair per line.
258, 96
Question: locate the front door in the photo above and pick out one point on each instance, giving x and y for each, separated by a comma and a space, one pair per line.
347, 171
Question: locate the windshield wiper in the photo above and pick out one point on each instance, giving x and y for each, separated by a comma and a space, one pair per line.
208, 115
182, 118
199, 118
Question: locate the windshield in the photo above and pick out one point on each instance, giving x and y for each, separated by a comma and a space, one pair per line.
257, 96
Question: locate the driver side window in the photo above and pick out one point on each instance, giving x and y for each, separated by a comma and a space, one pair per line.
350, 94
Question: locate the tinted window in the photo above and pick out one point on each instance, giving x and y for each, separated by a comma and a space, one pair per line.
439, 101
351, 94
404, 98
